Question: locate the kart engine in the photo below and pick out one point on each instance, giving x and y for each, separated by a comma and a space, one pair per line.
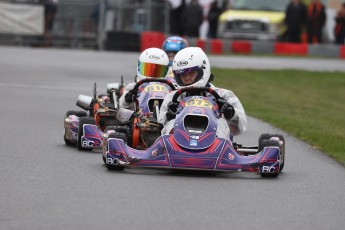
149, 131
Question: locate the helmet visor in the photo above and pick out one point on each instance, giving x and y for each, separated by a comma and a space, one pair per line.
152, 70
182, 74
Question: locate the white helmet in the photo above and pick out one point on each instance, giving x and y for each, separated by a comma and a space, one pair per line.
192, 59
152, 63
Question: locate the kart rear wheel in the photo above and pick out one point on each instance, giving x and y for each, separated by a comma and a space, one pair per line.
267, 136
76, 113
123, 137
82, 122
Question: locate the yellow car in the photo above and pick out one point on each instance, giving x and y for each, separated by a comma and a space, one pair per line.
253, 20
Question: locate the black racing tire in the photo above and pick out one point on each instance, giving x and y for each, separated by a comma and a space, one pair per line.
266, 143
78, 114
123, 137
67, 142
110, 128
83, 121
267, 136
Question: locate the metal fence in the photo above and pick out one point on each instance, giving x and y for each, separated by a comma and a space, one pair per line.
85, 23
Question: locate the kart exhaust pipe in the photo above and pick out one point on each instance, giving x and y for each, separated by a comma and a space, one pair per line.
84, 102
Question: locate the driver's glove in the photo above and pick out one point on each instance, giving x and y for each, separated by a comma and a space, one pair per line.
172, 108
225, 108
129, 96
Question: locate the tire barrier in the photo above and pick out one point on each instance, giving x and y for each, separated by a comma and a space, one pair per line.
139, 42
290, 49
342, 52
151, 39
122, 41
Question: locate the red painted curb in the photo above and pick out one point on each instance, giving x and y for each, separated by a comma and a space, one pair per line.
242, 47
290, 49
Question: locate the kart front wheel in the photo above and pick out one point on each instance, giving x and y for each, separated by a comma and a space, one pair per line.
83, 121
263, 143
76, 113
269, 143
123, 137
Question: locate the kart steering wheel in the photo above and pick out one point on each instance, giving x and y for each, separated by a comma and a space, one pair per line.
196, 90
134, 91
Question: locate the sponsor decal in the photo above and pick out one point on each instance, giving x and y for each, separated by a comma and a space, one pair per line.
196, 102
194, 137
155, 88
193, 143
154, 57
182, 63
111, 161
178, 71
154, 153
268, 169
194, 131
231, 156
87, 143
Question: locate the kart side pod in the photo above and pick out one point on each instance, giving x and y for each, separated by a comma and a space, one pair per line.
84, 102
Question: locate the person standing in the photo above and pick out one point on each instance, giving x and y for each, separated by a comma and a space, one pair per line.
296, 13
192, 19
315, 21
339, 30
213, 16
50, 11
176, 19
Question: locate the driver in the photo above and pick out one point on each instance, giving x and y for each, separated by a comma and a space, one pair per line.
152, 63
171, 46
191, 68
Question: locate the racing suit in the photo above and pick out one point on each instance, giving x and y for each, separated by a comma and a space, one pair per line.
122, 102
226, 127
126, 109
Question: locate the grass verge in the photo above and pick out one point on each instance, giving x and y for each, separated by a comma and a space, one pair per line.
308, 105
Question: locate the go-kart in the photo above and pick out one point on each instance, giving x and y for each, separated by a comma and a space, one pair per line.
194, 145
99, 110
139, 127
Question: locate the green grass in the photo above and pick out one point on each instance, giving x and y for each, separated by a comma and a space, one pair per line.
308, 105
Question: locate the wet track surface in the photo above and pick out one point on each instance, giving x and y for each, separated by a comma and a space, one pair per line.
45, 184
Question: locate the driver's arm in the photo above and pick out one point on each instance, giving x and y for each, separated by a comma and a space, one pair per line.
122, 101
238, 123
162, 119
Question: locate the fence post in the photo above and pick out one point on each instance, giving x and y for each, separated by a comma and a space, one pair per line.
101, 24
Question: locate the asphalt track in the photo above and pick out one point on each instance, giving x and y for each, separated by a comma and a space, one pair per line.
45, 184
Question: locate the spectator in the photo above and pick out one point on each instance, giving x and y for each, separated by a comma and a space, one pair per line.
296, 13
192, 18
315, 21
213, 16
50, 10
339, 30
96, 11
175, 19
